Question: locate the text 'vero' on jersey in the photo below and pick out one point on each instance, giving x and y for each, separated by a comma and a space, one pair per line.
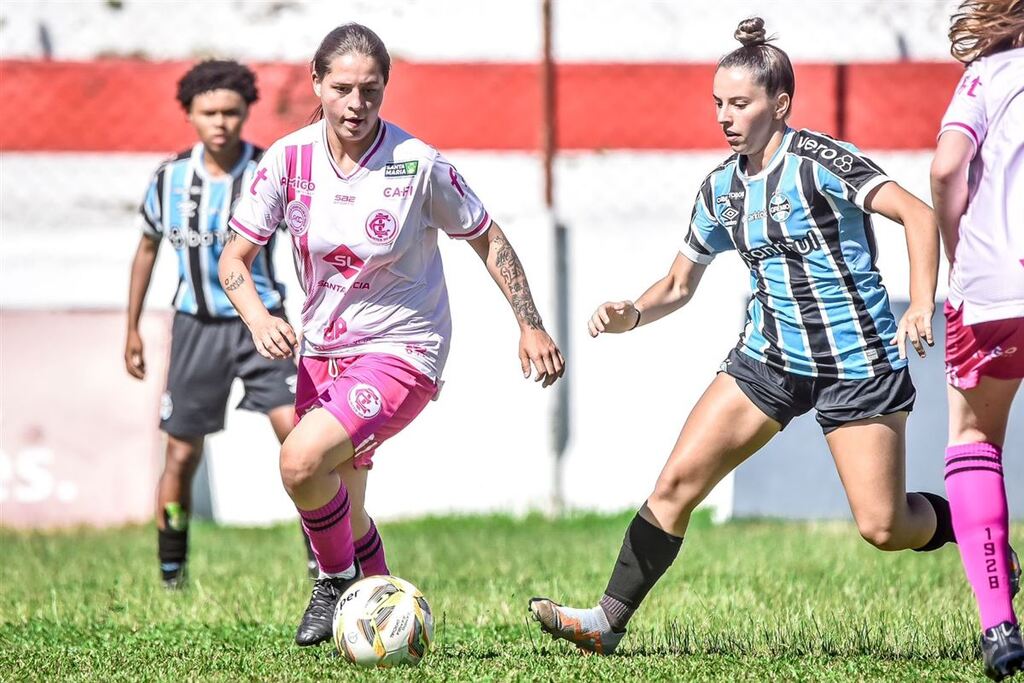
817, 305
366, 241
988, 270
191, 208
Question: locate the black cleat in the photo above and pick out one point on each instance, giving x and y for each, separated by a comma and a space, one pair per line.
174, 574
1002, 650
317, 623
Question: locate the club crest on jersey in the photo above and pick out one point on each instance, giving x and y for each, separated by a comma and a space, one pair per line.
400, 169
365, 401
296, 216
779, 207
381, 227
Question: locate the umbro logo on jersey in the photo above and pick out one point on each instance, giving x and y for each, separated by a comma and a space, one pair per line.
730, 214
401, 168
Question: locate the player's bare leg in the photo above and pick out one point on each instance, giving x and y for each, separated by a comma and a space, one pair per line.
870, 457
310, 457
724, 429
282, 420
173, 503
974, 481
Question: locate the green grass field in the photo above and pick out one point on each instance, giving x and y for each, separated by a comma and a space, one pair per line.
744, 601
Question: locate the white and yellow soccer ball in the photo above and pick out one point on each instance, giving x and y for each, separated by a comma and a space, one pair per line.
383, 621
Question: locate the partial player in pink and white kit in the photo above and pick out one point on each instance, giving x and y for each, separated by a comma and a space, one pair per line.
364, 202
978, 190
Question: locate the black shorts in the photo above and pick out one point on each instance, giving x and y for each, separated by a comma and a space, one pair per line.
785, 395
206, 357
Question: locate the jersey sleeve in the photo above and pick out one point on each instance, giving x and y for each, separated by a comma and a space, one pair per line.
706, 237
452, 206
150, 219
261, 205
847, 172
966, 112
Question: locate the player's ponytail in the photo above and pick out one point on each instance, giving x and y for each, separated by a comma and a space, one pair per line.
984, 27
348, 38
769, 65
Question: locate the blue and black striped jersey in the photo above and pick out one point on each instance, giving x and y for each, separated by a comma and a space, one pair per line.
817, 305
191, 209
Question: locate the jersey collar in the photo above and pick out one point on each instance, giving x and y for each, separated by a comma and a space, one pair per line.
363, 160
776, 159
198, 154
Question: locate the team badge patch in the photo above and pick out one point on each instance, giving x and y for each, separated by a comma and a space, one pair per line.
166, 406
779, 207
400, 169
365, 401
296, 216
381, 227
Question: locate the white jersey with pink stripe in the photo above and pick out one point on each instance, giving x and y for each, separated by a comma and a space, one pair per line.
365, 242
988, 108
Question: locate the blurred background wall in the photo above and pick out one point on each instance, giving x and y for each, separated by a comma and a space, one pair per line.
88, 111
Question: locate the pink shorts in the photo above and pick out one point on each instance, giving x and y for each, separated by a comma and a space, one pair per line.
991, 349
373, 396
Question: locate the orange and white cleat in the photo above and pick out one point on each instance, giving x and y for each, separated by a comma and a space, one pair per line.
587, 629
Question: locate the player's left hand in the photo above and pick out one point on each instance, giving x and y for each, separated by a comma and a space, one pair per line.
538, 348
916, 324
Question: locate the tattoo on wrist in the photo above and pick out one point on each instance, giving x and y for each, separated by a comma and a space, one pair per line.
512, 273
233, 281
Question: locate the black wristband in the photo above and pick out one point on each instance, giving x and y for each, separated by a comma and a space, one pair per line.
637, 323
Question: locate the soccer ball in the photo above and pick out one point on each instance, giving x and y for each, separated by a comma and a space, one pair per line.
383, 621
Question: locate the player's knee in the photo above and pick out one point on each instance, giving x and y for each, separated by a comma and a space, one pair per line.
298, 465
879, 533
678, 489
182, 456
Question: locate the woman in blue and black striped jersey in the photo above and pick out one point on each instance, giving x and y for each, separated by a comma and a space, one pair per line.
819, 334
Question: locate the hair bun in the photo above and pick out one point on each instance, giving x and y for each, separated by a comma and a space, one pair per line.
751, 32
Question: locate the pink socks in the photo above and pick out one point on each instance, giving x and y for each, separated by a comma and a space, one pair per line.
330, 533
370, 553
977, 498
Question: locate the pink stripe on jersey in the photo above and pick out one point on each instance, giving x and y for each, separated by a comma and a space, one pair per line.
289, 165
237, 225
479, 228
302, 242
970, 130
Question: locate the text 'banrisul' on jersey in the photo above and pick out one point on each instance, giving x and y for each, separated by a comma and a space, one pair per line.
817, 305
191, 209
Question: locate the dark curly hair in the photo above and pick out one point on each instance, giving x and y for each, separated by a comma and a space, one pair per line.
216, 74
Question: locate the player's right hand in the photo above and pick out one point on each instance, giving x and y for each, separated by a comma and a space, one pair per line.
614, 317
134, 362
273, 337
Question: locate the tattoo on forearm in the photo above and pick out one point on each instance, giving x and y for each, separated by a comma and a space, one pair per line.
511, 270
233, 281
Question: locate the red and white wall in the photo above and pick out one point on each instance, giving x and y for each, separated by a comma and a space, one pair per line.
83, 130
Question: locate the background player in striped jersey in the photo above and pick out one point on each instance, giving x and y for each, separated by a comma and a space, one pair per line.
978, 191
364, 202
189, 202
819, 333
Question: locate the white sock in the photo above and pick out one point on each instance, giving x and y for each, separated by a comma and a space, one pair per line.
349, 573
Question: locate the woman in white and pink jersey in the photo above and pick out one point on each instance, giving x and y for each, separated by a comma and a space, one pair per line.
364, 202
978, 190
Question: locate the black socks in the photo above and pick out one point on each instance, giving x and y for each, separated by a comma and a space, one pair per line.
943, 523
646, 553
